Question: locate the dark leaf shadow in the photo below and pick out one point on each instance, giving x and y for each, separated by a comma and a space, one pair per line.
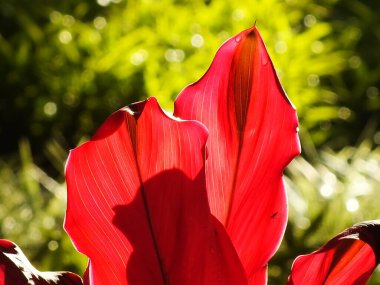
163, 211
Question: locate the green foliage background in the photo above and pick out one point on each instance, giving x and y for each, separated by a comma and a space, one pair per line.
66, 65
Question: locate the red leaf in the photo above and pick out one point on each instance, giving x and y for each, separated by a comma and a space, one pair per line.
15, 269
253, 136
137, 203
347, 259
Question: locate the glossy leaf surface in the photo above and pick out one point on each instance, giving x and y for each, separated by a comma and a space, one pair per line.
253, 136
15, 269
347, 259
137, 203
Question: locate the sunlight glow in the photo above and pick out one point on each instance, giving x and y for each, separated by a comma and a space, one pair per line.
326, 190
352, 205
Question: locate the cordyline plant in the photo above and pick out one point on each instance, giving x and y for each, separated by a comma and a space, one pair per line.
198, 197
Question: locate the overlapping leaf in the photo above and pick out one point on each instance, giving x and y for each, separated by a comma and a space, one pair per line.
347, 259
253, 136
137, 203
15, 269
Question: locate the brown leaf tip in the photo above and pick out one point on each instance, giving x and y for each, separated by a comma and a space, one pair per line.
241, 77
369, 232
137, 108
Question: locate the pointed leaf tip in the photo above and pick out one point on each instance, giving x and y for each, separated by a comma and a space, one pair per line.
349, 258
253, 136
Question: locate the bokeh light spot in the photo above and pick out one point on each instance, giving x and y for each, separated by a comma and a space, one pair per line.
55, 17
53, 245
174, 55
344, 113
197, 41
309, 21
100, 23
50, 108
139, 57
48, 223
303, 223
354, 62
103, 3
313, 80
65, 37
326, 190
26, 214
280, 47
238, 15
372, 92
317, 47
9, 224
352, 205
68, 20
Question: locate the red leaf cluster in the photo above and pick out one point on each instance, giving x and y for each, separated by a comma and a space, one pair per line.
198, 197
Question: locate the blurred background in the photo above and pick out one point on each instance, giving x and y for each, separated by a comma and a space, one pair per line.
67, 65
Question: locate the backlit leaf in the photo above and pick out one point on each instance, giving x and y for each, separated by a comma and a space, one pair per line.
137, 203
253, 136
347, 259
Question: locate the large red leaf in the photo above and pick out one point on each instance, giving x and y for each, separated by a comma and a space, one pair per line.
253, 136
347, 259
15, 269
137, 203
